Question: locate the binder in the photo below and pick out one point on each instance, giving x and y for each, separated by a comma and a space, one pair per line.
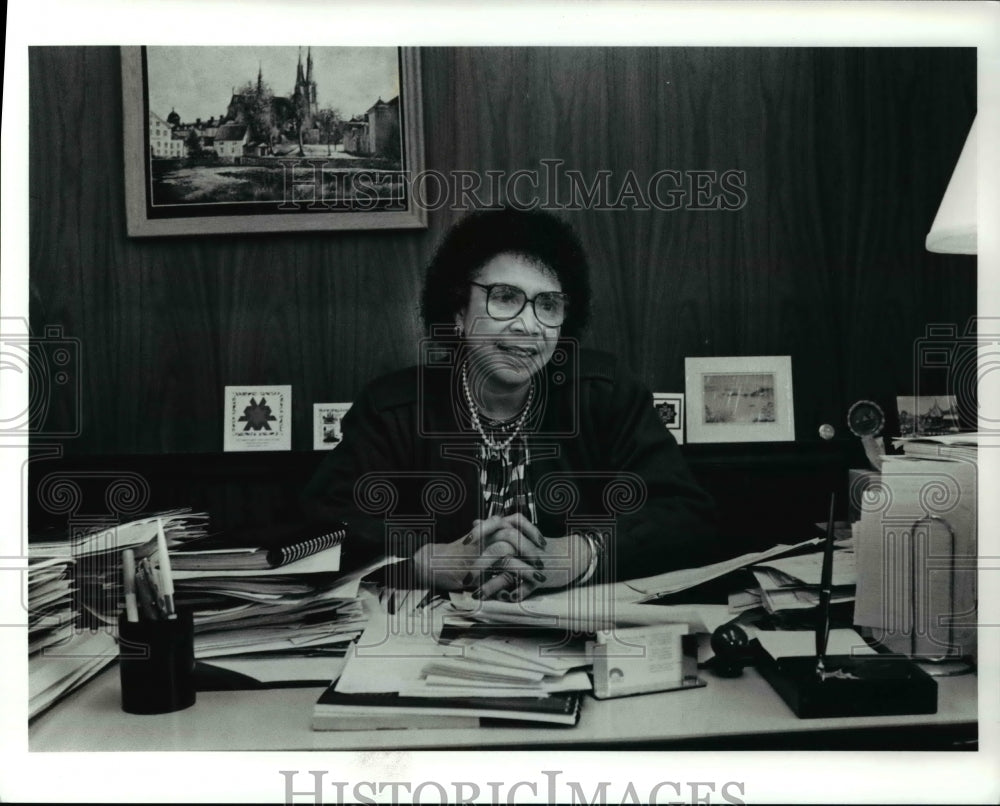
259, 548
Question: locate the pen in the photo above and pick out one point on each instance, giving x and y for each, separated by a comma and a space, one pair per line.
825, 591
128, 580
166, 577
152, 580
143, 594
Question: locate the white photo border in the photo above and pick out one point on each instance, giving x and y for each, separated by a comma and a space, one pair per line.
783, 427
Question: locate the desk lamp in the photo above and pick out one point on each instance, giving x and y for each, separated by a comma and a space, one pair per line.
954, 230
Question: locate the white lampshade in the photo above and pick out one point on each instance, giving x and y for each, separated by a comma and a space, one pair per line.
954, 227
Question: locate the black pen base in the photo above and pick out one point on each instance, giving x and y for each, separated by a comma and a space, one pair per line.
852, 686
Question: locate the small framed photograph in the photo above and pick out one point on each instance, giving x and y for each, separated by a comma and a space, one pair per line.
739, 399
326, 425
925, 415
258, 418
670, 409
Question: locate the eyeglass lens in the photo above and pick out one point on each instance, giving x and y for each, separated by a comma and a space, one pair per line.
507, 301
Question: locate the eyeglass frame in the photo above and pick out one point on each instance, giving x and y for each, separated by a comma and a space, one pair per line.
489, 290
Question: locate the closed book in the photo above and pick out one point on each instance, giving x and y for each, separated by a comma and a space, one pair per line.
370, 721
401, 711
260, 548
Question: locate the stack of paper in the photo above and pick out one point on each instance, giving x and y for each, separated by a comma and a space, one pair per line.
61, 656
51, 616
291, 624
74, 595
60, 668
792, 583
963, 446
671, 582
96, 556
402, 673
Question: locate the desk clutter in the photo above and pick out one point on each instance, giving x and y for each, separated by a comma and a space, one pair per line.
270, 607
265, 607
76, 591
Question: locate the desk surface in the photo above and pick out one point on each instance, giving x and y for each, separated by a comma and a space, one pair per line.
719, 715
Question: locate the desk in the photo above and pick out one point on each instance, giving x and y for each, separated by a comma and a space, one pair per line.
733, 714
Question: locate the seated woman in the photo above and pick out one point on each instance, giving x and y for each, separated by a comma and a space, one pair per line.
511, 460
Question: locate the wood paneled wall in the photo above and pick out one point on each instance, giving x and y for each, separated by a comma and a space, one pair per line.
846, 154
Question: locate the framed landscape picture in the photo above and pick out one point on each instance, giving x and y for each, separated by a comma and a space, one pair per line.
233, 139
739, 399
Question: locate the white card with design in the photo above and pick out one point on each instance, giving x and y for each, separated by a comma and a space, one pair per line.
326, 425
258, 418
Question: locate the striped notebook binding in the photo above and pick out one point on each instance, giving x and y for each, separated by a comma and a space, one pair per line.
296, 551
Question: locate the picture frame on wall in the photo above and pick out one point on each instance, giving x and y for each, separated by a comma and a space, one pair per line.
248, 139
670, 409
927, 415
258, 418
327, 417
739, 399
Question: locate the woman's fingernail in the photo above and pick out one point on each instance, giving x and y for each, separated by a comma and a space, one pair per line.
505, 596
514, 596
543, 542
537, 563
539, 576
477, 594
468, 580
467, 539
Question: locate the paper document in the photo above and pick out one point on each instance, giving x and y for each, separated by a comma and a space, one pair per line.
802, 643
676, 581
587, 608
807, 569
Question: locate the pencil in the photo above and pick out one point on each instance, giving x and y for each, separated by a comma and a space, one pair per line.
144, 594
128, 581
166, 577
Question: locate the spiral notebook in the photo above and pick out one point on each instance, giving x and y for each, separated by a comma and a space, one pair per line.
260, 548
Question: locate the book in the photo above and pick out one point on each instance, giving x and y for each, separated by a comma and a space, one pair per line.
390, 709
261, 548
370, 721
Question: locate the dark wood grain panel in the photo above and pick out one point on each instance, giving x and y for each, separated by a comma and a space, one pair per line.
846, 153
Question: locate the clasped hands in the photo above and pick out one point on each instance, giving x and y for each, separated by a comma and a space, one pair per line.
506, 558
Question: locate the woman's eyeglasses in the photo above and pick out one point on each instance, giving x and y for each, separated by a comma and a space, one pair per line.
505, 302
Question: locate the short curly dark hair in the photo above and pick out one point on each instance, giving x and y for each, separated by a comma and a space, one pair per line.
482, 235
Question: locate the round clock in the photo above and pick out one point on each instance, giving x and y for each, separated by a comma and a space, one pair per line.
865, 419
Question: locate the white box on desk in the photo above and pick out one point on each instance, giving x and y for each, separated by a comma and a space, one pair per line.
916, 555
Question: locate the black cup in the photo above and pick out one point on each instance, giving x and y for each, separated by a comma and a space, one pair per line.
156, 662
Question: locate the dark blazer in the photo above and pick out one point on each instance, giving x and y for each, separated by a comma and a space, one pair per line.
407, 470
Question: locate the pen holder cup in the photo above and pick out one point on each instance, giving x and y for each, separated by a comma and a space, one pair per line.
156, 663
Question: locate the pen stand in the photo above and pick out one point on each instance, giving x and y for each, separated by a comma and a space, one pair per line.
156, 663
878, 685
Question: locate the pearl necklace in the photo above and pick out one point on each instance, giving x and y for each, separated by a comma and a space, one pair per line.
498, 447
